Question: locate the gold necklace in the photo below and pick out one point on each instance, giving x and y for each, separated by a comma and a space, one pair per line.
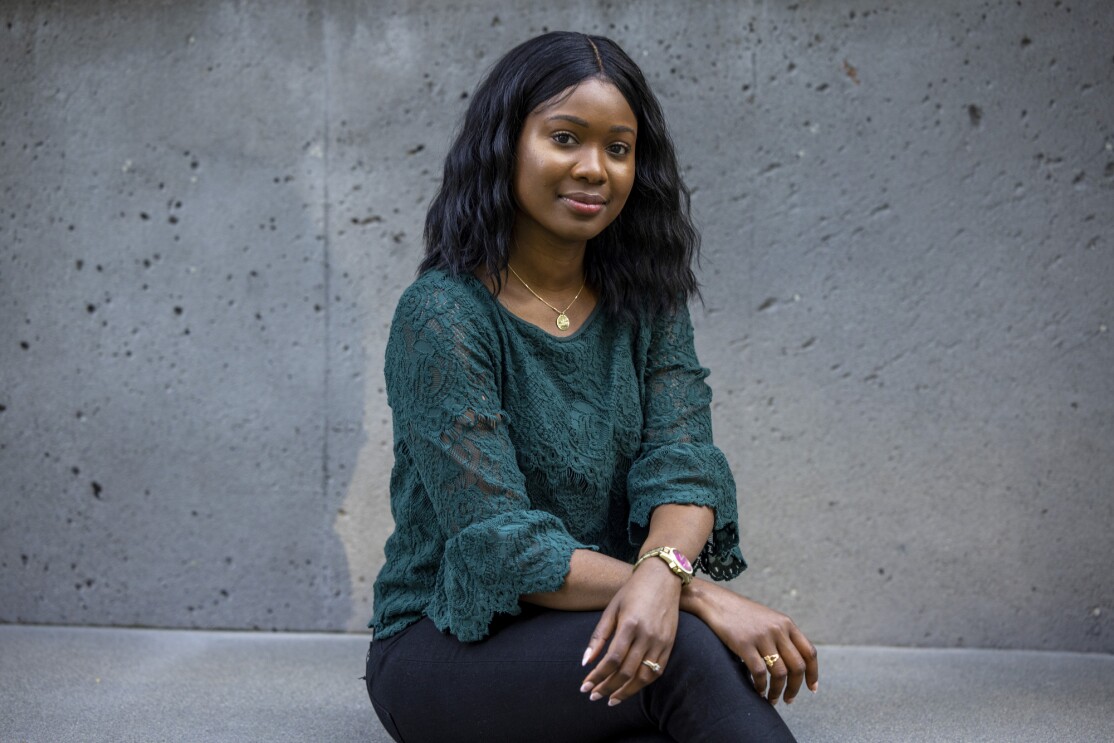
562, 318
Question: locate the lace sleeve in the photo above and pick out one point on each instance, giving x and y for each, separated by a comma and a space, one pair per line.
677, 462
443, 392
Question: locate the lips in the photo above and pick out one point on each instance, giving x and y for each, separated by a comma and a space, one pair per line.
584, 203
585, 198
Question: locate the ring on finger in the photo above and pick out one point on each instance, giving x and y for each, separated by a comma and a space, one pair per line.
771, 659
653, 666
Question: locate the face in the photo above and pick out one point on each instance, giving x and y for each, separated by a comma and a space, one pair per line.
574, 166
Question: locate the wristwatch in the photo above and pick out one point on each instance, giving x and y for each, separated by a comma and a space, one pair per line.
674, 558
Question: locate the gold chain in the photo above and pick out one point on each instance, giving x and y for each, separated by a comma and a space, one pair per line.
562, 317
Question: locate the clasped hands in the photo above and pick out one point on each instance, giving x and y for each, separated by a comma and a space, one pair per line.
641, 622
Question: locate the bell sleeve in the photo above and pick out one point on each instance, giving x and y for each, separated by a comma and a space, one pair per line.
677, 461
442, 385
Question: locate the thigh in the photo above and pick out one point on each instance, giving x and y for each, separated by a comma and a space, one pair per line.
520, 683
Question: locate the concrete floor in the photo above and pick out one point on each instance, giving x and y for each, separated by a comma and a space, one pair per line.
119, 685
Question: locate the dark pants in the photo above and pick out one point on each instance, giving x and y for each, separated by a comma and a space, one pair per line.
522, 683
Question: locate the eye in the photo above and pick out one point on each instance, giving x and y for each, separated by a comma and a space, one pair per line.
619, 148
563, 138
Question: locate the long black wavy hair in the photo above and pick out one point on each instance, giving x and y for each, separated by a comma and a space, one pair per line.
641, 264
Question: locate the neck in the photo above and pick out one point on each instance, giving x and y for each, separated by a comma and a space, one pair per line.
550, 270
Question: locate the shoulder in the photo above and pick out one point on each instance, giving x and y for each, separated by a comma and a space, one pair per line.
443, 341
441, 314
439, 296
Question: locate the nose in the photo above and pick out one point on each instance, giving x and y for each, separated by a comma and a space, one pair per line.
590, 166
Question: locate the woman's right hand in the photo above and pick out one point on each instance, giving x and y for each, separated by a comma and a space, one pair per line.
755, 632
641, 621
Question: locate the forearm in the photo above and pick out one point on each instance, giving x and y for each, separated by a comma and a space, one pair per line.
592, 581
684, 527
594, 578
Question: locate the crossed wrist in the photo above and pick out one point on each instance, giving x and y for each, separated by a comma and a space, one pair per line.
697, 598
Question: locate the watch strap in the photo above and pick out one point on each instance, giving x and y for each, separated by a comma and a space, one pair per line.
674, 558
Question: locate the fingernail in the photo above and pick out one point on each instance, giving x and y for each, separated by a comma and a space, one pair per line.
596, 696
586, 687
815, 687
612, 702
789, 701
587, 655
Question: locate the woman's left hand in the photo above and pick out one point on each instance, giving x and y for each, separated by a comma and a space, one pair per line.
775, 651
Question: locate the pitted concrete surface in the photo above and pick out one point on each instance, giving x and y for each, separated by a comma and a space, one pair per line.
118, 686
208, 210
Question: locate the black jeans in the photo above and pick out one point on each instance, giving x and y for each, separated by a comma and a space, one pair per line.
522, 683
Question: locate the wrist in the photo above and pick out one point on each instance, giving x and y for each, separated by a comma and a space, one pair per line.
658, 572
697, 598
673, 559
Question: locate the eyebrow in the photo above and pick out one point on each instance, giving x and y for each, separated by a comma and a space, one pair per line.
581, 122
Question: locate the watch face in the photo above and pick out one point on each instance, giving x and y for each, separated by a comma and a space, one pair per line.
682, 561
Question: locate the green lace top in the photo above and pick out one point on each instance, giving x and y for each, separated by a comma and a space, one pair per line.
514, 447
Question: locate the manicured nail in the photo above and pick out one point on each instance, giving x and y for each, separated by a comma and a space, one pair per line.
596, 696
586, 687
587, 655
815, 687
612, 702
789, 701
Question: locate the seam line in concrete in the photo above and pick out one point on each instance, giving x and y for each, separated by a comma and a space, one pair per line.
326, 304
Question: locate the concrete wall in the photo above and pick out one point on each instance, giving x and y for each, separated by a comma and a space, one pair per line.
208, 210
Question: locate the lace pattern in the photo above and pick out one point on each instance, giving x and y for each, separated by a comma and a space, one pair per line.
513, 448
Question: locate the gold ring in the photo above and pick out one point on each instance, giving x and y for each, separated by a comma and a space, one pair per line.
770, 659
655, 667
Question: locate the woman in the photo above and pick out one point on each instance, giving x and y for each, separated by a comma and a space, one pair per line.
554, 463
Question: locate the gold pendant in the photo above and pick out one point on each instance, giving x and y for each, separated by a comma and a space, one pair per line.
562, 321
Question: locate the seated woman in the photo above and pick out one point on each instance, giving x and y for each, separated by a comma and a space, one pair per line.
554, 465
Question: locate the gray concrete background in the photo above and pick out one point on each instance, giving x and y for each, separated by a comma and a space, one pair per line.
208, 210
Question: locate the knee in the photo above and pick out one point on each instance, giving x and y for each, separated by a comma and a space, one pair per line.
698, 649
706, 694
